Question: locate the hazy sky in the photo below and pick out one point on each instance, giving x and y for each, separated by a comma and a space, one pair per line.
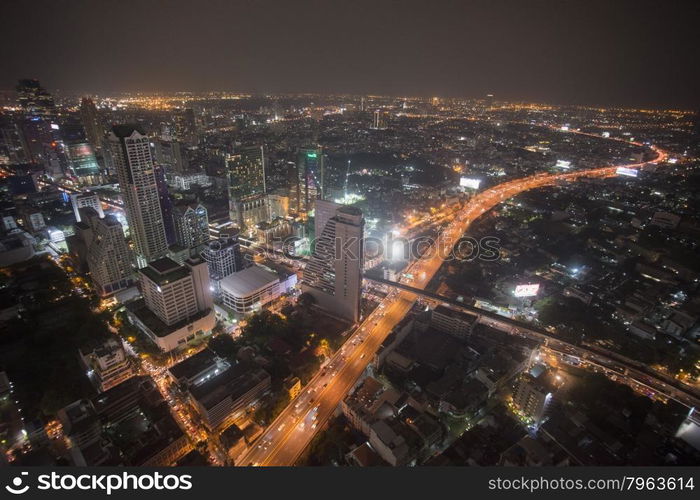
635, 52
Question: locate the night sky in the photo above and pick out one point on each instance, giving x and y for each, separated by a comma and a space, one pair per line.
611, 52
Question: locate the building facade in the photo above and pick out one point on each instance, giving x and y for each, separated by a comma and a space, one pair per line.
333, 275
223, 257
82, 200
108, 256
131, 155
177, 302
310, 178
245, 171
191, 226
253, 288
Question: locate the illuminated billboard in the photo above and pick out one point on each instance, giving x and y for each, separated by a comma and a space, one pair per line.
630, 172
529, 290
469, 182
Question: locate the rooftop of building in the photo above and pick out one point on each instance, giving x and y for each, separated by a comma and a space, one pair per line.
194, 365
365, 456
234, 382
349, 210
164, 271
248, 281
368, 393
155, 324
127, 129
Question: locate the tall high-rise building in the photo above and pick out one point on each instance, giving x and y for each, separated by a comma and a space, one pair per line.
173, 292
379, 120
191, 226
108, 256
166, 205
169, 155
83, 200
91, 121
36, 139
131, 155
12, 147
82, 161
34, 99
186, 127
80, 155
324, 210
177, 304
246, 186
333, 275
246, 172
223, 256
310, 178
532, 397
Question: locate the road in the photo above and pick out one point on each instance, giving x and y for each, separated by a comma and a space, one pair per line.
287, 437
636, 371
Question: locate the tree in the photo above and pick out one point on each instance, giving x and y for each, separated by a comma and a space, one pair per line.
306, 300
224, 346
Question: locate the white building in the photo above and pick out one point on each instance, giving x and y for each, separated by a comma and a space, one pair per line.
131, 154
36, 222
55, 235
177, 302
191, 225
323, 211
253, 288
333, 275
108, 256
82, 200
108, 365
223, 256
532, 398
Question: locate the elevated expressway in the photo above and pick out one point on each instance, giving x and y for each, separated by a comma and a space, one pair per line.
634, 371
286, 438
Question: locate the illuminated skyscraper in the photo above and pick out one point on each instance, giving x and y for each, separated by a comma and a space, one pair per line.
311, 178
169, 155
186, 127
11, 144
91, 121
34, 99
80, 154
223, 257
379, 121
191, 226
246, 186
36, 138
333, 275
131, 155
108, 255
166, 205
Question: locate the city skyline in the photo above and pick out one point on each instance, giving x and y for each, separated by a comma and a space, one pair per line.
350, 277
544, 51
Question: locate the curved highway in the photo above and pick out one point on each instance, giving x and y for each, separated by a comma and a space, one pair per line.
287, 437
